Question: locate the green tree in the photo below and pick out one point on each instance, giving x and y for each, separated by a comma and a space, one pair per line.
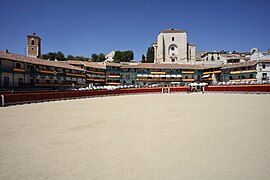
123, 56
60, 56
150, 55
101, 57
54, 56
143, 59
94, 57
70, 57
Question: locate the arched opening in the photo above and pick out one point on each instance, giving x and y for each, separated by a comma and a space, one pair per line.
173, 52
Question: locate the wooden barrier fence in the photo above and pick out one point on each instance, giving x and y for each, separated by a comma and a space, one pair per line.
28, 97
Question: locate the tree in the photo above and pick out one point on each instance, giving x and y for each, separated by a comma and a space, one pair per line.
143, 59
98, 58
94, 57
123, 56
70, 57
60, 56
150, 55
54, 56
101, 57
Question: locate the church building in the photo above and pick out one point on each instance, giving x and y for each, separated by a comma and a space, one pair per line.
172, 47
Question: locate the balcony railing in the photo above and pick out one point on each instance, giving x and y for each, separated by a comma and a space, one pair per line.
159, 73
18, 70
113, 76
95, 72
244, 71
212, 72
76, 75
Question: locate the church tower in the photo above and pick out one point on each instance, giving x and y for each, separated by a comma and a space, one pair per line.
33, 45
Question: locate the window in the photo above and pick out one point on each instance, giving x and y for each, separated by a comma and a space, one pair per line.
212, 58
18, 65
47, 81
55, 81
206, 58
33, 42
6, 81
251, 76
172, 48
263, 66
32, 49
218, 58
172, 38
20, 82
37, 81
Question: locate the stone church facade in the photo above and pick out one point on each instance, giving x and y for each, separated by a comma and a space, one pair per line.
172, 47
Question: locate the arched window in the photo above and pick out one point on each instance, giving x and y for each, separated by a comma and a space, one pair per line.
33, 42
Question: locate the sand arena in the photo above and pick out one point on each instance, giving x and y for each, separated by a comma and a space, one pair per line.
157, 136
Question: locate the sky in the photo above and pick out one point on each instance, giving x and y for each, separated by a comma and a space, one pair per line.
81, 27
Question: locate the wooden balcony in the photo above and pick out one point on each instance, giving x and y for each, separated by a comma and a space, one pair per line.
158, 73
239, 80
160, 79
244, 71
212, 72
188, 80
113, 76
46, 71
95, 80
96, 72
19, 70
76, 75
113, 83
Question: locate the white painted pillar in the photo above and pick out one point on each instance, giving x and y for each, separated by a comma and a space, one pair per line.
2, 100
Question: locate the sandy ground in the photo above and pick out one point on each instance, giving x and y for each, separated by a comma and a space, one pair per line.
176, 136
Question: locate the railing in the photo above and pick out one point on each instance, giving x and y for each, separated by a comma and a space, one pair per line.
27, 97
18, 70
239, 88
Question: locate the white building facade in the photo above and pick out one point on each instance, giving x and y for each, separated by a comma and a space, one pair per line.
172, 47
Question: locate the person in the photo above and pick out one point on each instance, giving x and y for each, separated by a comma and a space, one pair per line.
203, 89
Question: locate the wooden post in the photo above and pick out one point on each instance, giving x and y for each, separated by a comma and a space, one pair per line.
2, 100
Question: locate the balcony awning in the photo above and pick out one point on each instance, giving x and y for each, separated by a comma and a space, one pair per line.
139, 75
162, 75
206, 76
156, 75
145, 75
173, 75
167, 75
178, 75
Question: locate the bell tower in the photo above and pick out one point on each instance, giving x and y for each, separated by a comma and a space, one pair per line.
33, 45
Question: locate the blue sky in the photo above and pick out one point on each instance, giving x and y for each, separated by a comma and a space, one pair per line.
81, 27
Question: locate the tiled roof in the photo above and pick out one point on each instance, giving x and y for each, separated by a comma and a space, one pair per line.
94, 65
31, 60
241, 64
75, 62
87, 64
173, 31
113, 64
164, 66
264, 60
